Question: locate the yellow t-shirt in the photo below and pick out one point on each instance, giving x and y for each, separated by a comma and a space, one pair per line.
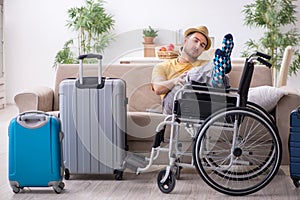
172, 68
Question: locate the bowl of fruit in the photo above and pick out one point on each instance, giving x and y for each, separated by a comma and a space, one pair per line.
167, 52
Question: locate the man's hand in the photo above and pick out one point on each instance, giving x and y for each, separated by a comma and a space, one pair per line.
180, 80
162, 86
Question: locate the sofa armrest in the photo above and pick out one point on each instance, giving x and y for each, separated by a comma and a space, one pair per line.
283, 109
290, 90
39, 98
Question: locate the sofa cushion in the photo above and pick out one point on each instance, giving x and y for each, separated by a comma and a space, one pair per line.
262, 75
266, 96
138, 85
141, 131
142, 125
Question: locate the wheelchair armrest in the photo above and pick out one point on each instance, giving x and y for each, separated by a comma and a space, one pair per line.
233, 89
204, 87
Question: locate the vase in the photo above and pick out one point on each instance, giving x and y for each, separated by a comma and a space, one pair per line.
148, 40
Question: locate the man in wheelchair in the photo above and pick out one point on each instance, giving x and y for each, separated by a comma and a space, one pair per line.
236, 147
171, 75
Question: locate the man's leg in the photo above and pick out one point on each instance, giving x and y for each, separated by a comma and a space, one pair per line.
222, 61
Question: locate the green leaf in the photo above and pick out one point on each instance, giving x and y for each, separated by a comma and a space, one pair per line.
273, 16
92, 24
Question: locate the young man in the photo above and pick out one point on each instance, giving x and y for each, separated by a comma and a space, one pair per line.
170, 75
172, 72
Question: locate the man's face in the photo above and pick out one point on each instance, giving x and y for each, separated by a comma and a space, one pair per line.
194, 45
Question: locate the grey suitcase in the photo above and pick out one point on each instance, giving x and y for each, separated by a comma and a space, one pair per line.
93, 116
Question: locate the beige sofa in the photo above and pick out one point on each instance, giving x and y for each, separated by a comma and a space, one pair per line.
144, 106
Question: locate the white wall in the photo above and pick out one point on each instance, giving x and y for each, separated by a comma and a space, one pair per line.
35, 30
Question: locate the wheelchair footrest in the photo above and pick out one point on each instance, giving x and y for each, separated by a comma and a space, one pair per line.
134, 161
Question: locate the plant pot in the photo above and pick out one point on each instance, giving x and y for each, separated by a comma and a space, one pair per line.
148, 40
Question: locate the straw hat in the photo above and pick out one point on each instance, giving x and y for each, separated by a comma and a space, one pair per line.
201, 29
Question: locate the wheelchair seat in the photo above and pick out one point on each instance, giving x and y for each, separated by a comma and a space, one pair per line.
198, 101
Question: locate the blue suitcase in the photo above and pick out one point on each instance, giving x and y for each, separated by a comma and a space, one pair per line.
294, 146
35, 152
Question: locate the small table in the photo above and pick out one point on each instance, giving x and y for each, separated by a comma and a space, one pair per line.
140, 60
206, 55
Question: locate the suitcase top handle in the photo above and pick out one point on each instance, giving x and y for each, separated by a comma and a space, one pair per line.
91, 55
32, 119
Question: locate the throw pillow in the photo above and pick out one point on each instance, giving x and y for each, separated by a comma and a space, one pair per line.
266, 96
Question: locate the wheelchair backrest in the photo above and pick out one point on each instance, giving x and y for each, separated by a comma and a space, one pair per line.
245, 81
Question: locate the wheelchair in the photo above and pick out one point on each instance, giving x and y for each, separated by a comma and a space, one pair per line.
236, 145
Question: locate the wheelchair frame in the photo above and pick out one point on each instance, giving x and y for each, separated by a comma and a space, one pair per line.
224, 141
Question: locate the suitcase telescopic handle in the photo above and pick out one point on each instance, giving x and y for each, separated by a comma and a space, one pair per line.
90, 55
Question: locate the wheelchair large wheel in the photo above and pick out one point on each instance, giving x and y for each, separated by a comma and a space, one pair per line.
258, 108
237, 151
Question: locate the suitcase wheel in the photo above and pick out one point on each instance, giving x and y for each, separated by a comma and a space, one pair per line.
59, 188
296, 182
15, 189
118, 175
67, 174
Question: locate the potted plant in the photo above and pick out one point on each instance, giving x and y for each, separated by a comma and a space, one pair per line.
92, 25
273, 16
149, 35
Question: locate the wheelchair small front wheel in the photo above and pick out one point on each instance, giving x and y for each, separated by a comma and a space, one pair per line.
168, 185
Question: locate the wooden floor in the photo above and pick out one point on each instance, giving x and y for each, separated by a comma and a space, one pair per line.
143, 186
